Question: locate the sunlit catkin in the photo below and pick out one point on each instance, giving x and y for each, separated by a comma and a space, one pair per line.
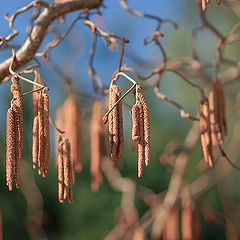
60, 170
72, 130
220, 108
40, 134
35, 142
115, 124
10, 147
68, 168
46, 134
18, 109
141, 149
147, 135
206, 132
135, 123
96, 132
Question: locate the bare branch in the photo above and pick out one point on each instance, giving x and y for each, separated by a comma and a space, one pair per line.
26, 53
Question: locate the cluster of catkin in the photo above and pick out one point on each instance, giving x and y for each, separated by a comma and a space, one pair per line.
217, 107
41, 137
205, 2
97, 136
14, 136
68, 120
213, 121
206, 136
190, 223
68, 159
65, 171
141, 131
115, 119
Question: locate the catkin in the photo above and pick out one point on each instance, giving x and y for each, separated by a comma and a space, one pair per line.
46, 134
115, 124
18, 109
141, 149
35, 142
97, 142
170, 230
135, 123
40, 134
65, 180
206, 132
60, 170
217, 108
10, 147
147, 135
72, 130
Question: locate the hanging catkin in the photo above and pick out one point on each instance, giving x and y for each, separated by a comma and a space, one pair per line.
146, 129
170, 230
10, 147
65, 180
18, 109
206, 132
72, 130
218, 109
135, 123
141, 148
60, 170
97, 142
40, 134
115, 124
46, 134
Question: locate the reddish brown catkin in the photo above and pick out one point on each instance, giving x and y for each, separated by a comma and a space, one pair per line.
46, 134
213, 121
187, 220
40, 134
72, 128
67, 168
114, 129
206, 132
10, 147
147, 136
221, 105
135, 123
35, 142
18, 108
60, 170
170, 230
120, 126
141, 149
95, 133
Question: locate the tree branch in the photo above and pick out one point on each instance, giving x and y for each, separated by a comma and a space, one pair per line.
26, 53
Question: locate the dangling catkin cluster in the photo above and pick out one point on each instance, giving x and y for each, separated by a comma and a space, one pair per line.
97, 144
141, 132
41, 137
206, 139
217, 107
65, 169
68, 121
14, 135
115, 124
205, 2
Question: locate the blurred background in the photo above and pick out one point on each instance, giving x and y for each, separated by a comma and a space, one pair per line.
93, 215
